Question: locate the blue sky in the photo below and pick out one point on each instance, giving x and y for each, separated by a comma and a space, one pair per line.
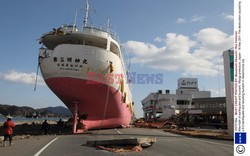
175, 38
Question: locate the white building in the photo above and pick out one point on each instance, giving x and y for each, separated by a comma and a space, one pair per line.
163, 105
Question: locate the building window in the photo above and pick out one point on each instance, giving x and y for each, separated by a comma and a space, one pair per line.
210, 105
182, 102
222, 105
202, 105
151, 102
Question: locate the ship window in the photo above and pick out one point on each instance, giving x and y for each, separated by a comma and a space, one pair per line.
114, 48
96, 42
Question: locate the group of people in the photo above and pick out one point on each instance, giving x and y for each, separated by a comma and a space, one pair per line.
46, 126
9, 125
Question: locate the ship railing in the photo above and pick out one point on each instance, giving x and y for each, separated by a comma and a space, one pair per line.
110, 31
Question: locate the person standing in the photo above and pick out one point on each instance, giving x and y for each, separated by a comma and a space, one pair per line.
8, 130
60, 125
45, 127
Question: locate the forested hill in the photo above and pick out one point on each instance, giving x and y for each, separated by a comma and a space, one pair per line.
25, 111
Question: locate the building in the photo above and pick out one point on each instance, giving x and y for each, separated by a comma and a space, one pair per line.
213, 105
161, 105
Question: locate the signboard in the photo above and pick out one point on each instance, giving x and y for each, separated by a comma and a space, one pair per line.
188, 83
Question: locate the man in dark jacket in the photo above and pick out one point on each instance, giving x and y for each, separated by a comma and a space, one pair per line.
45, 127
60, 125
8, 130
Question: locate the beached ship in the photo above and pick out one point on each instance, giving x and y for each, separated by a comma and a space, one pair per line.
86, 70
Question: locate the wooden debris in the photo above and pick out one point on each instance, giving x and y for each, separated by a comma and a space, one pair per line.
121, 149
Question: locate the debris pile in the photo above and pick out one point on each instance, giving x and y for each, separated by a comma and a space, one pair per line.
185, 119
116, 149
194, 125
122, 145
152, 124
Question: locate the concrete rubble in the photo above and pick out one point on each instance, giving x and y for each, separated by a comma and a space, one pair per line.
122, 145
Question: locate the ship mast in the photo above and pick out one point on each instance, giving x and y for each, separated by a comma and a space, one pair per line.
85, 21
74, 26
108, 25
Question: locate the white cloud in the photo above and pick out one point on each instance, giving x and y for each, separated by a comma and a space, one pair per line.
195, 18
180, 20
228, 16
140, 48
198, 56
25, 78
218, 92
158, 39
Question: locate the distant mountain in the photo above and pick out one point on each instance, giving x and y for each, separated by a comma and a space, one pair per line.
25, 111
14, 110
59, 110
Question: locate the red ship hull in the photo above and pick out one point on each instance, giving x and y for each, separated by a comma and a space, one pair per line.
95, 109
